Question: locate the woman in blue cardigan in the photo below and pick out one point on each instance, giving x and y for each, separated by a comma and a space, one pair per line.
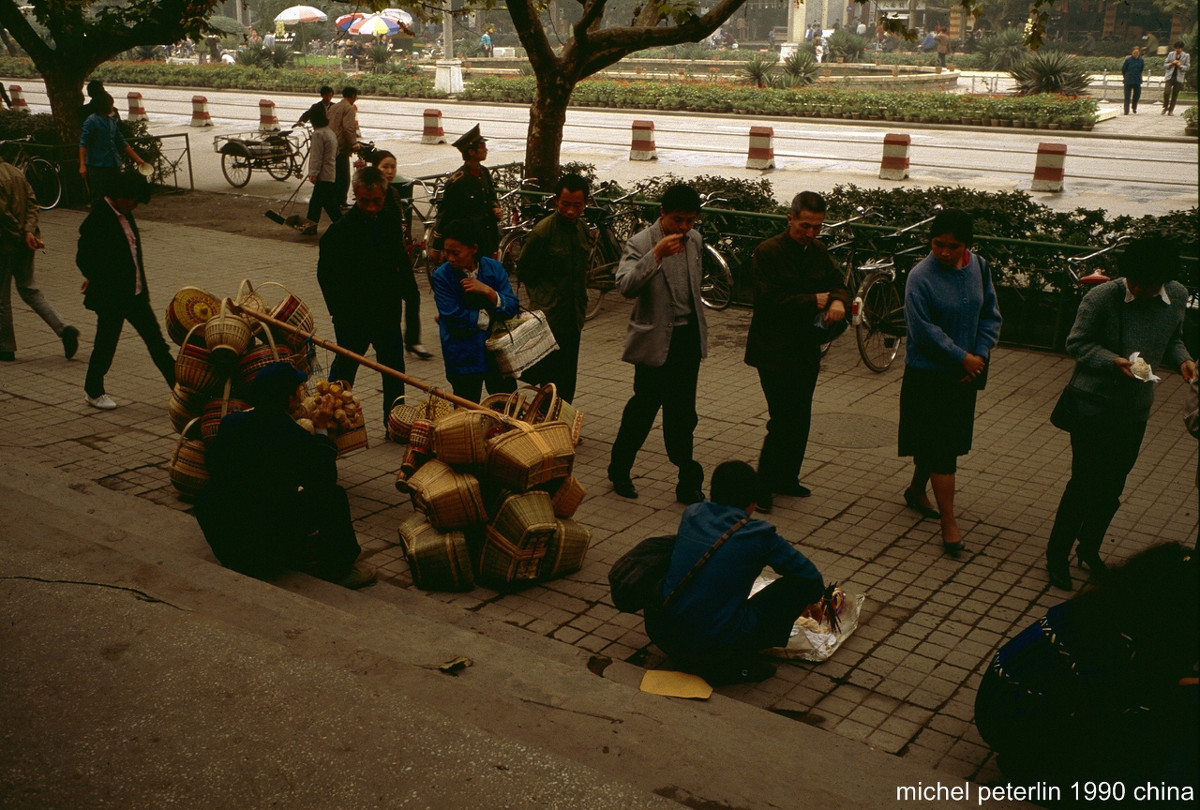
953, 323
471, 292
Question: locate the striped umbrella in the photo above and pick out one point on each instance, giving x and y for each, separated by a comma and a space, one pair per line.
376, 25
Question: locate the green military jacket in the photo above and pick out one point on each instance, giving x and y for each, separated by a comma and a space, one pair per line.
553, 267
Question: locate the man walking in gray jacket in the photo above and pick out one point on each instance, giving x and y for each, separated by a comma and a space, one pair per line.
1177, 64
666, 339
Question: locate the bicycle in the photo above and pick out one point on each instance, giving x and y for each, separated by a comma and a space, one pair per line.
1097, 276
836, 240
716, 283
419, 249
611, 228
43, 176
877, 313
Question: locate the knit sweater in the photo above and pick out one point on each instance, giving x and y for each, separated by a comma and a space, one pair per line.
1106, 328
949, 312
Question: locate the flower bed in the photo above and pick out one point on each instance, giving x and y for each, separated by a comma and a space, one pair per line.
1053, 111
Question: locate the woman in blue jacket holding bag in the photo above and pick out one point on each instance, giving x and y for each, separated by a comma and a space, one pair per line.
471, 292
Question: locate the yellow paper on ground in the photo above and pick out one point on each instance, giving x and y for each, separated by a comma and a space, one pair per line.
675, 684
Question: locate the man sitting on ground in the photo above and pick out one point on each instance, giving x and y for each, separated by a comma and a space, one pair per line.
712, 625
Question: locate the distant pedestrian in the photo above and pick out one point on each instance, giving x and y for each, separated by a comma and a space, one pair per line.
343, 122
485, 43
953, 323
19, 238
114, 287
322, 171
1177, 63
102, 150
1131, 70
325, 102
942, 41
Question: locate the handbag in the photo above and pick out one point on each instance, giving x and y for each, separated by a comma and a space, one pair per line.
1078, 410
636, 579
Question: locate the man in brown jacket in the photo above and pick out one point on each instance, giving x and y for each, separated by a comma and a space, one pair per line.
343, 122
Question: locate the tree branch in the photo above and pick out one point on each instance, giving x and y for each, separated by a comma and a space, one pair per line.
525, 18
610, 45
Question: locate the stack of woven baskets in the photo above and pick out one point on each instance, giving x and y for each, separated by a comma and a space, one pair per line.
495, 499
220, 354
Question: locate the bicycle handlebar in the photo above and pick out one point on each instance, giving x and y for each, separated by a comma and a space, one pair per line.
937, 209
1100, 252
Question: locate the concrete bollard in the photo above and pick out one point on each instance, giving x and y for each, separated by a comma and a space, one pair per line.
433, 132
762, 148
18, 98
1048, 171
267, 120
200, 116
894, 165
137, 112
643, 141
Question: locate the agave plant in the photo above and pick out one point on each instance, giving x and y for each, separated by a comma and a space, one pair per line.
758, 69
801, 66
1004, 50
1050, 72
253, 55
380, 55
847, 46
281, 55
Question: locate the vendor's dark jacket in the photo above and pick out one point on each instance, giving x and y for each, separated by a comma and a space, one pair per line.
786, 279
472, 197
553, 268
363, 269
104, 259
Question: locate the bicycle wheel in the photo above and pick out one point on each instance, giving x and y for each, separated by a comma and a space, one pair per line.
236, 169
281, 169
600, 279
47, 185
880, 330
716, 288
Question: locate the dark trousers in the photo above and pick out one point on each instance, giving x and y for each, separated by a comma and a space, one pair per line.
341, 178
1170, 93
778, 606
560, 367
789, 393
324, 198
470, 386
109, 323
389, 351
1100, 462
100, 181
412, 316
1133, 92
670, 387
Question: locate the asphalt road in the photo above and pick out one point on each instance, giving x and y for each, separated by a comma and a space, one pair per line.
1126, 165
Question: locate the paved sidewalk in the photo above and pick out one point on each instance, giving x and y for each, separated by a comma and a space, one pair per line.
904, 683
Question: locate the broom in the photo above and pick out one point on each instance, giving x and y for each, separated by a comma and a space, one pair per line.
277, 216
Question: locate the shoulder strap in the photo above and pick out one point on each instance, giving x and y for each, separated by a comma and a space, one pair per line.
700, 563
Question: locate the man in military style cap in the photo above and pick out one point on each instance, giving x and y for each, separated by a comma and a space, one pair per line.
470, 195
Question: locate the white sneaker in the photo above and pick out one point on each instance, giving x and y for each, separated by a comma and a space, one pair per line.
104, 402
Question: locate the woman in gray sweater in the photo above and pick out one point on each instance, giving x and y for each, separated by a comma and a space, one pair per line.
1107, 403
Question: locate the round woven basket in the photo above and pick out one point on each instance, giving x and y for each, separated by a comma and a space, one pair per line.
292, 311
226, 335
187, 469
255, 360
185, 405
216, 410
193, 365
190, 307
402, 416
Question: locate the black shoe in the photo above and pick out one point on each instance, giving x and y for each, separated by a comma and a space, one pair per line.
1092, 562
952, 550
742, 672
765, 501
622, 485
688, 495
1060, 576
70, 341
7, 357
913, 501
794, 488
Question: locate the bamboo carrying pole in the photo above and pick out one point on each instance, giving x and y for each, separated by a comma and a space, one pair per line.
358, 358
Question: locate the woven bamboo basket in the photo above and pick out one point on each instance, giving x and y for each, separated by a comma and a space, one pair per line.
292, 311
216, 410
548, 406
258, 358
517, 539
226, 335
518, 343
566, 550
421, 436
402, 416
185, 405
189, 475
190, 307
566, 495
438, 561
529, 455
348, 441
412, 462
194, 368
462, 437
450, 499
496, 402
248, 298
504, 567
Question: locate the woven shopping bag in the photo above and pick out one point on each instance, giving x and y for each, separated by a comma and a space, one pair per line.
518, 343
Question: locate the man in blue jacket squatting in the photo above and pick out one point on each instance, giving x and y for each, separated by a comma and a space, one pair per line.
712, 625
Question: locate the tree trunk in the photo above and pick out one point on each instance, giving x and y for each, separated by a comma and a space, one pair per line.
547, 116
64, 86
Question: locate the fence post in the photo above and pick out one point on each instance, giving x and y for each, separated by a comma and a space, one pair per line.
894, 165
1048, 170
267, 120
433, 132
137, 112
762, 148
643, 141
200, 116
18, 98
